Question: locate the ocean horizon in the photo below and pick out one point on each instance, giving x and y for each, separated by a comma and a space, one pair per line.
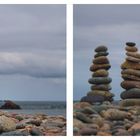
39, 107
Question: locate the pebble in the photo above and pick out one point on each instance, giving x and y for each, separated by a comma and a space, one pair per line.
86, 131
100, 73
104, 87
95, 67
131, 72
100, 80
101, 60
133, 59
130, 44
127, 84
131, 49
101, 49
101, 54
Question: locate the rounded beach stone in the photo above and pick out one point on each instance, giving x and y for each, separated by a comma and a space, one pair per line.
130, 44
6, 124
128, 84
100, 73
133, 54
101, 60
95, 67
101, 49
101, 54
130, 65
131, 49
100, 92
131, 93
104, 87
133, 59
131, 72
93, 99
130, 102
100, 80
130, 77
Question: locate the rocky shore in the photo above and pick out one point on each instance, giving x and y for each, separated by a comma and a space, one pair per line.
106, 119
12, 124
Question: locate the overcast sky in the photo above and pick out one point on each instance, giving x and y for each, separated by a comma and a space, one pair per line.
110, 25
32, 52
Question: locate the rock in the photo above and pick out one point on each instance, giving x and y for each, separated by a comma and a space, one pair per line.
36, 132
101, 54
10, 105
130, 102
100, 92
19, 117
106, 127
130, 65
88, 131
77, 123
130, 44
36, 122
135, 129
131, 93
101, 49
115, 114
121, 132
80, 105
131, 72
95, 67
22, 132
92, 99
100, 133
104, 87
133, 59
100, 73
88, 110
133, 54
127, 84
6, 124
101, 60
100, 80
131, 49
83, 117
130, 77
96, 119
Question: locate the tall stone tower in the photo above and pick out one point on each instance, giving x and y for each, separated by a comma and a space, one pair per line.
100, 82
131, 76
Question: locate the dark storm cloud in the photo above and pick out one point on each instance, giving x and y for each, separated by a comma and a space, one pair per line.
110, 25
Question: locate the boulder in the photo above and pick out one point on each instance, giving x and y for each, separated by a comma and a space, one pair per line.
10, 105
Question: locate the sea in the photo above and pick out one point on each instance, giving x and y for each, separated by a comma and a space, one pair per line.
51, 108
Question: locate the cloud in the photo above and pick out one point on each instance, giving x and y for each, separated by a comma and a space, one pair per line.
39, 65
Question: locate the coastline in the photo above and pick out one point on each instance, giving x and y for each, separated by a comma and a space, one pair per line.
17, 124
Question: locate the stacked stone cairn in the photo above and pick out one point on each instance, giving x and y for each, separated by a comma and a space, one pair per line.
131, 75
100, 82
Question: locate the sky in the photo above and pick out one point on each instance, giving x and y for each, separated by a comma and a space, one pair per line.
33, 52
109, 25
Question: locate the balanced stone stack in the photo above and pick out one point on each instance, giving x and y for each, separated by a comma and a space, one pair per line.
131, 75
100, 82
